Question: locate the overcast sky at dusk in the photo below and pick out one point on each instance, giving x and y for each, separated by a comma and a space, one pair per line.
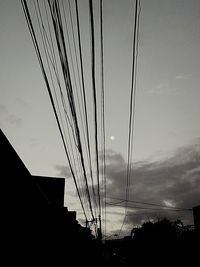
166, 151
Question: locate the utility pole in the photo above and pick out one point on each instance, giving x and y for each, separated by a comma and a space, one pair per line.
100, 230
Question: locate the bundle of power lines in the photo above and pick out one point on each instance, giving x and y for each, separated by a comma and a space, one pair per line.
57, 36
55, 30
137, 10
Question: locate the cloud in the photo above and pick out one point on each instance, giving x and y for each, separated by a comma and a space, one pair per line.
10, 118
163, 88
2, 108
175, 180
182, 77
167, 87
63, 171
13, 119
169, 203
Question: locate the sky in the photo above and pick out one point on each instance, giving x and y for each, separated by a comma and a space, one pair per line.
166, 144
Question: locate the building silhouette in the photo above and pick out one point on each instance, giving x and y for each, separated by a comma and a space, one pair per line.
196, 215
36, 227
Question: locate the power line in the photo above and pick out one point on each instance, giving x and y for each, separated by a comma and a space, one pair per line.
73, 69
103, 112
147, 203
44, 38
37, 50
79, 79
156, 213
131, 109
84, 98
95, 104
134, 84
147, 208
58, 29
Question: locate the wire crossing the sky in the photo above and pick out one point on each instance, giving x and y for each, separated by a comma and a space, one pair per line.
84, 98
37, 50
58, 44
132, 104
58, 29
95, 103
103, 116
71, 45
147, 204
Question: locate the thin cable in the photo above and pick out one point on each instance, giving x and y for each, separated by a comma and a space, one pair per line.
103, 113
131, 109
35, 43
95, 105
147, 208
135, 84
55, 68
44, 37
57, 23
73, 69
155, 213
84, 99
147, 203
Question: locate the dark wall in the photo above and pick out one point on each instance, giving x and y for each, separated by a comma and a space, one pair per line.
53, 188
196, 212
18, 188
36, 228
21, 190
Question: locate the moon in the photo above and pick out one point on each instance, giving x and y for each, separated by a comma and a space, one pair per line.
112, 138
